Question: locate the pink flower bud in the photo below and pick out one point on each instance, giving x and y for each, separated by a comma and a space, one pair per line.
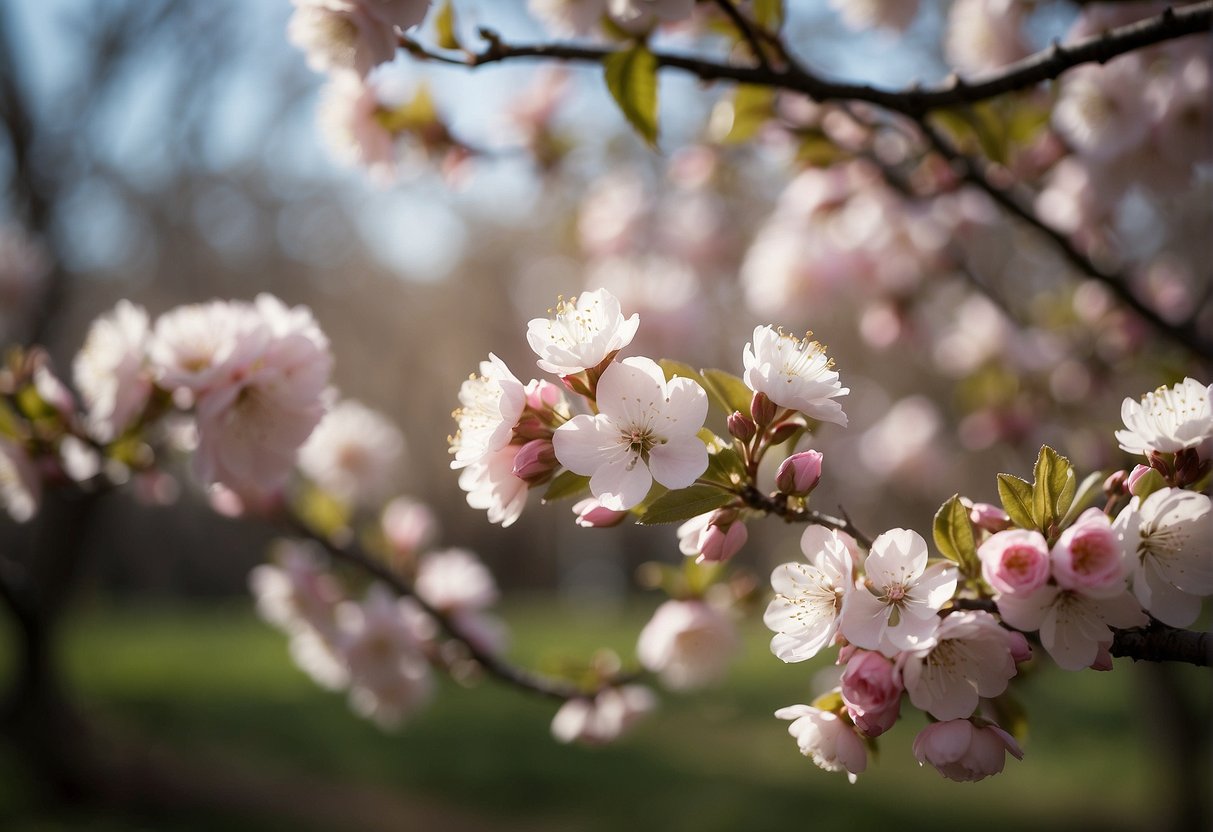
536, 461
962, 751
762, 409
591, 514
741, 426
543, 395
1015, 562
723, 537
1119, 481
1021, 651
799, 473
872, 692
989, 517
1088, 557
1135, 476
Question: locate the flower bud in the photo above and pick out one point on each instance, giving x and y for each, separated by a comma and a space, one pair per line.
964, 751
1188, 467
1133, 481
741, 426
1118, 481
784, 432
989, 517
799, 474
762, 409
724, 536
543, 395
591, 514
536, 461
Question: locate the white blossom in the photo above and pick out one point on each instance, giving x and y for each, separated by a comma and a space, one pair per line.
646, 429
1101, 111
1167, 420
1166, 540
20, 483
454, 580
864, 14
605, 717
1073, 627
491, 485
490, 405
353, 452
351, 34
688, 644
827, 738
794, 373
111, 370
985, 34
971, 657
584, 331
809, 596
897, 608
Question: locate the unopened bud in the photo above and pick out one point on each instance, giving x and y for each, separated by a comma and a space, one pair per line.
989, 517
741, 426
535, 461
762, 409
1117, 482
591, 514
1188, 467
799, 474
723, 538
543, 395
1131, 482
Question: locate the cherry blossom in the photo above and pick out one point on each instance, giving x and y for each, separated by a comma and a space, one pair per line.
353, 453
351, 34
897, 608
491, 404
712, 537
1015, 561
964, 751
111, 370
491, 485
864, 14
646, 430
971, 657
592, 515
567, 18
199, 347
809, 596
352, 120
1087, 557
688, 644
295, 592
1167, 420
603, 718
454, 580
985, 34
584, 332
794, 373
827, 738
1166, 540
20, 483
1072, 626
407, 525
667, 11
1101, 111
799, 473
871, 689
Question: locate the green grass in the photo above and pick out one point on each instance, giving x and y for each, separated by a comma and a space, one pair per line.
215, 684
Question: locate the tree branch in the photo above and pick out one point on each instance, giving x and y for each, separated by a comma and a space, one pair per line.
977, 173
1161, 643
778, 505
915, 102
495, 666
747, 30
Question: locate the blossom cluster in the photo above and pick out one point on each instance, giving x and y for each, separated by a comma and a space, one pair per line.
950, 634
380, 649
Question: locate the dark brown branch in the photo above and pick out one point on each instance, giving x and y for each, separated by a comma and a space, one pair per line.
977, 172
495, 666
1161, 643
748, 31
917, 101
778, 505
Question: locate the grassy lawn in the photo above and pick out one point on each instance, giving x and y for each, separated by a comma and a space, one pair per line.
216, 685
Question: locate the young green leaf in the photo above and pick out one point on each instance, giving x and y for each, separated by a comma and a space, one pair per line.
1086, 491
954, 535
1054, 488
683, 504
1016, 497
673, 368
728, 389
444, 27
566, 484
631, 76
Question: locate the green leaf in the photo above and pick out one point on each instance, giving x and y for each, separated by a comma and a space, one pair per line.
683, 504
725, 467
768, 13
1054, 486
728, 390
1086, 491
631, 76
1016, 497
750, 108
566, 484
954, 535
673, 368
817, 150
444, 27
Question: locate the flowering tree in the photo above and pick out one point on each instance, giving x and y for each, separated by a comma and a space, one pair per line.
885, 188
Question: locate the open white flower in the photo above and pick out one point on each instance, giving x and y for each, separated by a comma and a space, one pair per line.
897, 609
688, 644
794, 373
351, 34
1166, 540
491, 485
865, 14
111, 370
490, 406
605, 717
809, 596
584, 332
202, 346
455, 580
1073, 626
646, 429
353, 452
1168, 419
971, 657
827, 738
296, 593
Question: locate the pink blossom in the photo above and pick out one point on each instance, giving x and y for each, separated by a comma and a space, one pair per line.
353, 453
871, 690
455, 580
592, 515
1087, 557
351, 34
1015, 561
535, 461
200, 347
799, 473
972, 657
712, 537
408, 525
1133, 483
1072, 625
964, 751
296, 592
605, 717
827, 738
351, 120
688, 644
989, 518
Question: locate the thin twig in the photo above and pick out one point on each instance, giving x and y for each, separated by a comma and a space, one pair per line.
778, 505
747, 30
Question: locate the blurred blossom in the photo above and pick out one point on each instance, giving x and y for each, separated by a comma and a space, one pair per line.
1102, 110
111, 370
344, 35
983, 35
688, 644
353, 453
975, 334
962, 750
605, 717
568, 18
903, 439
614, 214
865, 14
408, 525
455, 580
20, 483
